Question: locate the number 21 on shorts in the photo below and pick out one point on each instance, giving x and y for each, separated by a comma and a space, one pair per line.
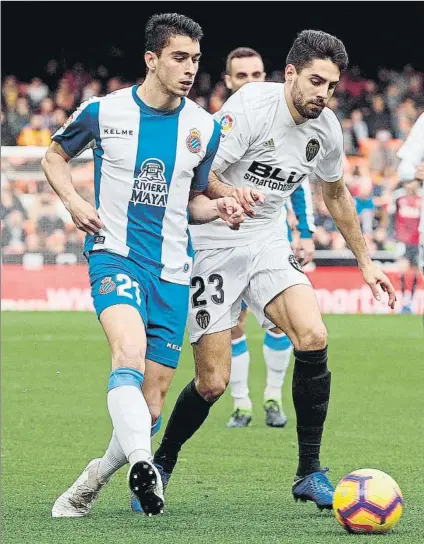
125, 287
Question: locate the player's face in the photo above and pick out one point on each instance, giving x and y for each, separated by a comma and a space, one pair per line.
312, 88
178, 64
244, 70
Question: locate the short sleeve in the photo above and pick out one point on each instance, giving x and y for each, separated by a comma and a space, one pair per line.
79, 130
235, 133
330, 167
201, 172
412, 151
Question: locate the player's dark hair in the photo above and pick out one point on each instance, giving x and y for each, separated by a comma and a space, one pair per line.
316, 44
240, 53
162, 27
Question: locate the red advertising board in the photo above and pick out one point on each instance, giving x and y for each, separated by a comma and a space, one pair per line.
340, 290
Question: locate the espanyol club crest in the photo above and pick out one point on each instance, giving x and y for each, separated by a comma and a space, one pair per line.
107, 285
203, 318
194, 143
312, 149
227, 122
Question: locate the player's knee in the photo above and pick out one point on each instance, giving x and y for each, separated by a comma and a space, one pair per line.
128, 354
211, 389
314, 339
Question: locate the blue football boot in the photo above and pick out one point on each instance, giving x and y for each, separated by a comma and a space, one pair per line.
315, 487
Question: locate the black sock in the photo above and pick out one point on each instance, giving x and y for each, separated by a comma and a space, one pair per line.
414, 285
189, 412
311, 394
402, 284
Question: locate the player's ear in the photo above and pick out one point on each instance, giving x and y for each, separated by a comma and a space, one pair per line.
228, 83
290, 72
150, 59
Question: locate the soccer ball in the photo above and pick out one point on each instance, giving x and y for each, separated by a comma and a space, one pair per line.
367, 501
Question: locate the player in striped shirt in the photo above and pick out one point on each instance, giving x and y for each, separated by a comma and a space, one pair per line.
153, 149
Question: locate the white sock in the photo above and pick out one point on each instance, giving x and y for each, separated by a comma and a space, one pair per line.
240, 374
113, 459
277, 350
131, 421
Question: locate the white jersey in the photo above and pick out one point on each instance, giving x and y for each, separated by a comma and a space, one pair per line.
412, 154
146, 161
263, 148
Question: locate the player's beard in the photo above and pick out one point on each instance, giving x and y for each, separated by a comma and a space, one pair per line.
302, 106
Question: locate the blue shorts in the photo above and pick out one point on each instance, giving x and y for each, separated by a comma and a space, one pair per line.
162, 305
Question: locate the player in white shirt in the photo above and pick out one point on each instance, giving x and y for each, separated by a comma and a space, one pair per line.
153, 149
273, 137
411, 167
245, 65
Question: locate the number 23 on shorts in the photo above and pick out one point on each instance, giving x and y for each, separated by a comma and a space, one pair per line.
197, 300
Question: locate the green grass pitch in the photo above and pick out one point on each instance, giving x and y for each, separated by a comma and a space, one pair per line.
231, 485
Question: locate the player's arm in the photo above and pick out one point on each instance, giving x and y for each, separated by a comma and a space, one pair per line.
342, 208
203, 210
68, 142
301, 200
236, 137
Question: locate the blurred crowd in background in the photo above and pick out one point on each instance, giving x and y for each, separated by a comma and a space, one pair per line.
376, 116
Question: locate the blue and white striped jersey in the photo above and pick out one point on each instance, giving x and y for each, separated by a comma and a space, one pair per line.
145, 163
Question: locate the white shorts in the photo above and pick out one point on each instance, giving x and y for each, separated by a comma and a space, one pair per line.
222, 278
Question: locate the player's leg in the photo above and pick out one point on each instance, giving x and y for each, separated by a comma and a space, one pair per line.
296, 311
155, 387
277, 349
212, 355
280, 292
214, 310
239, 377
121, 308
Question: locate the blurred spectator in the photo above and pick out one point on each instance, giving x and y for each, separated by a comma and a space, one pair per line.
350, 142
359, 126
37, 91
94, 88
10, 201
10, 91
7, 137
393, 97
218, 97
64, 97
415, 90
365, 206
48, 220
13, 235
59, 119
355, 83
35, 133
46, 112
18, 116
383, 160
114, 84
379, 118
334, 104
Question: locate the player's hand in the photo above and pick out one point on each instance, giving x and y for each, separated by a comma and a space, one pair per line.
84, 215
375, 277
230, 211
304, 250
247, 198
419, 172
